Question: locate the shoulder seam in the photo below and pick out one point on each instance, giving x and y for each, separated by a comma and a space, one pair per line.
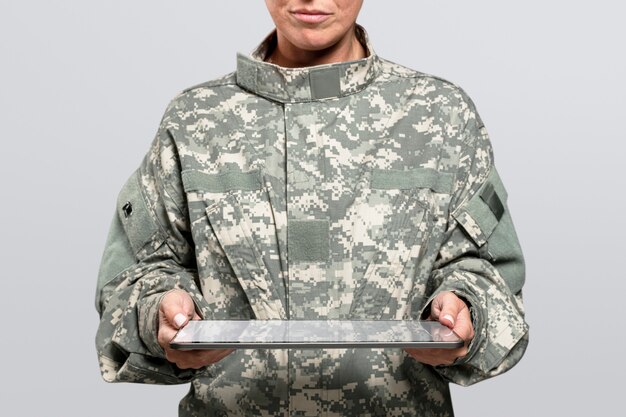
418, 74
213, 83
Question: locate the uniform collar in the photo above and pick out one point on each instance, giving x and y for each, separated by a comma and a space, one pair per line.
292, 85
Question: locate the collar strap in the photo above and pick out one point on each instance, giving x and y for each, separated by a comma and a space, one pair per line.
293, 85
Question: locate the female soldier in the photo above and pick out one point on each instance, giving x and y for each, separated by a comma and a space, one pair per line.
318, 181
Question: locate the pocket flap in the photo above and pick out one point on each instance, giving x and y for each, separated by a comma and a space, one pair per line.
482, 213
387, 179
221, 182
139, 224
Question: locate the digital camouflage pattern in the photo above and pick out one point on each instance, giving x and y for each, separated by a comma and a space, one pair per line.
355, 190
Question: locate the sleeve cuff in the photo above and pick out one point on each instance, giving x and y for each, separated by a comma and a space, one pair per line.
148, 317
498, 325
478, 321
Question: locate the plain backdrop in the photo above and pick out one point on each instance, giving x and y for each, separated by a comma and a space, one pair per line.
84, 84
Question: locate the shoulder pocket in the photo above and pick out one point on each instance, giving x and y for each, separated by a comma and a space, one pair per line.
482, 213
139, 224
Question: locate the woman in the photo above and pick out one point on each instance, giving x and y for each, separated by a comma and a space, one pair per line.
318, 181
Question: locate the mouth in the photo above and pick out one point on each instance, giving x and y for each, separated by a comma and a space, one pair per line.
310, 16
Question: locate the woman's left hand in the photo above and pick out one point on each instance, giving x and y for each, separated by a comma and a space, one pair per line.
452, 312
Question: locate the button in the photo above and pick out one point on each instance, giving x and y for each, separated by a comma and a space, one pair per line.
127, 209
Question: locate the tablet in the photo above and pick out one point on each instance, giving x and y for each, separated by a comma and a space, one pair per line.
303, 334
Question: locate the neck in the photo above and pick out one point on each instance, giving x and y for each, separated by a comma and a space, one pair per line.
285, 54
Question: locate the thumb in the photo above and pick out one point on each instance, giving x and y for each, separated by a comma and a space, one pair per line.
177, 308
447, 308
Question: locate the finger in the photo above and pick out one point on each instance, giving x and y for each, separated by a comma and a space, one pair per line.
435, 307
196, 359
165, 334
433, 357
222, 354
464, 327
436, 357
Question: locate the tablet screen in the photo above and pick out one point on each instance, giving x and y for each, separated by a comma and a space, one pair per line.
210, 334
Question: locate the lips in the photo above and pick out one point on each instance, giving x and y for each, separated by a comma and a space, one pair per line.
310, 16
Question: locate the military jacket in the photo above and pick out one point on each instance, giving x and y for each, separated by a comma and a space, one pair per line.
355, 190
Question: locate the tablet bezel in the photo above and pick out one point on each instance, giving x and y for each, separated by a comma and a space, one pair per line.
455, 341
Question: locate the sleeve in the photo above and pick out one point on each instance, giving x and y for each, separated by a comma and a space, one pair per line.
481, 261
148, 252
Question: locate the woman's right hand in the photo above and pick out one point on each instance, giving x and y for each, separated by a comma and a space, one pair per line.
175, 310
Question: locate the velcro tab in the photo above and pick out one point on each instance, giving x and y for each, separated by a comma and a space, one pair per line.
480, 215
490, 197
325, 83
308, 240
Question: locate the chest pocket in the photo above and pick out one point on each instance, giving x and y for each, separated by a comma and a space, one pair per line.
392, 215
237, 207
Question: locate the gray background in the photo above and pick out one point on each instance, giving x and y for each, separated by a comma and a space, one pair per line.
84, 85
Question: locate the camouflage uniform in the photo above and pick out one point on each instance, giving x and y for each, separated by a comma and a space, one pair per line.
357, 190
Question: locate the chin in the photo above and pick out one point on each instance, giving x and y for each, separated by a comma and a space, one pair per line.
314, 40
